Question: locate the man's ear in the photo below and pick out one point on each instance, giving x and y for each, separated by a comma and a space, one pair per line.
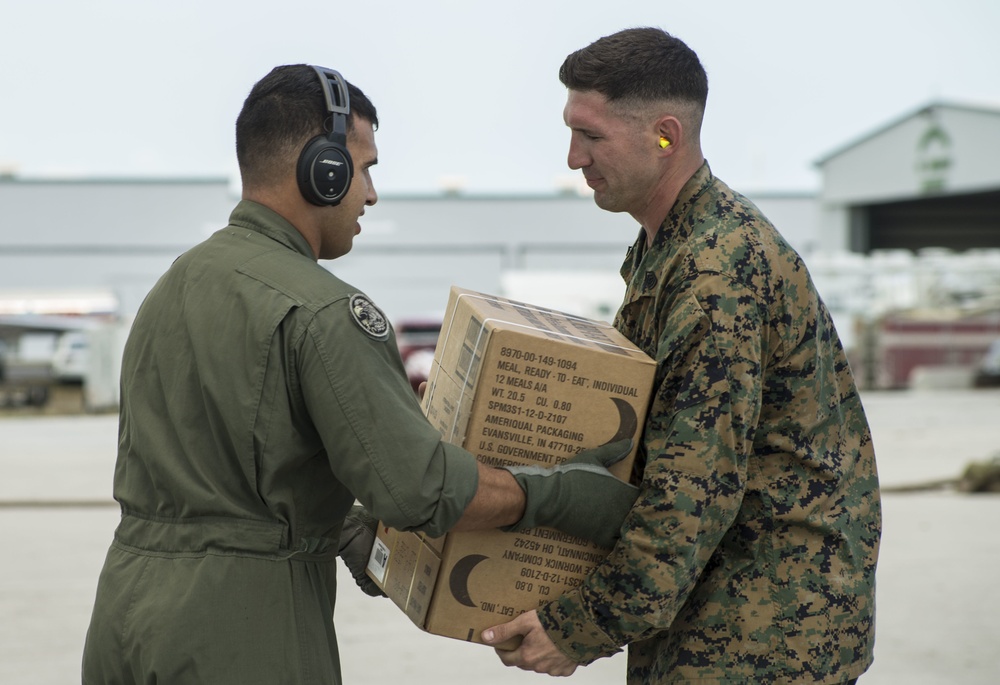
669, 133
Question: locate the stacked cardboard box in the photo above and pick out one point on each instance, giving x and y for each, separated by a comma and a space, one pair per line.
513, 384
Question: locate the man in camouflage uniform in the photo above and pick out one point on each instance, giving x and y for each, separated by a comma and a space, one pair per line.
750, 554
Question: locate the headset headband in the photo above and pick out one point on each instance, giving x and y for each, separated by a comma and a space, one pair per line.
338, 102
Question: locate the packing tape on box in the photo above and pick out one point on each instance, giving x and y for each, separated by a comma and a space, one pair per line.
471, 370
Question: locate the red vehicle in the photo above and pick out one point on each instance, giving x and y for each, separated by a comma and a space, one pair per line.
417, 339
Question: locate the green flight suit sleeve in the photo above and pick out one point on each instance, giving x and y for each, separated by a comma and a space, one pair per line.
378, 441
697, 440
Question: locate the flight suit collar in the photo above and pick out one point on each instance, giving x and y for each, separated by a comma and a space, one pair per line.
261, 219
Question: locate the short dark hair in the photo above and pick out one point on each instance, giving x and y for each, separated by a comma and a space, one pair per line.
638, 65
285, 109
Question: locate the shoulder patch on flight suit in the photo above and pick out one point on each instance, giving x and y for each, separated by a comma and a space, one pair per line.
369, 318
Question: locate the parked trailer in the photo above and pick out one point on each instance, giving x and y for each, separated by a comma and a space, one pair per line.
25, 382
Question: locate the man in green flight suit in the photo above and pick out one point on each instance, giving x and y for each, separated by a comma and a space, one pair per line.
750, 554
260, 397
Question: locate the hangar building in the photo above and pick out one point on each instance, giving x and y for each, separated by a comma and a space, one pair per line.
927, 181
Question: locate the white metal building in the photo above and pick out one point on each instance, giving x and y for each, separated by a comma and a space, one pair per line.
928, 179
119, 235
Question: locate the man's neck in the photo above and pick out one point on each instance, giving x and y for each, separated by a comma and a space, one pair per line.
291, 210
664, 196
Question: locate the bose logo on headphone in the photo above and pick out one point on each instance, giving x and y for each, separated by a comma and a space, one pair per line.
319, 185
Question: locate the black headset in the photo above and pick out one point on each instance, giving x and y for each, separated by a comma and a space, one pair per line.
325, 166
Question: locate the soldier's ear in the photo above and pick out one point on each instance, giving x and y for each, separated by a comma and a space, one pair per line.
668, 132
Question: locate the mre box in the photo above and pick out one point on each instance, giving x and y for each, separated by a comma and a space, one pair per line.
513, 384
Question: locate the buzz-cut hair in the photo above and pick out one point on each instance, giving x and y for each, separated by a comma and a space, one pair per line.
636, 67
283, 111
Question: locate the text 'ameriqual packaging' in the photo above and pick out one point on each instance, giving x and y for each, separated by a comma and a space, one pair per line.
513, 384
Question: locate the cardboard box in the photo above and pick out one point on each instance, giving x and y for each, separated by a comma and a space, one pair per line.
513, 384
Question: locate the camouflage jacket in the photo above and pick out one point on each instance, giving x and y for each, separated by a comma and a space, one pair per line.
750, 554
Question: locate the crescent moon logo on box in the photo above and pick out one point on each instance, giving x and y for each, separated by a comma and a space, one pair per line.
458, 581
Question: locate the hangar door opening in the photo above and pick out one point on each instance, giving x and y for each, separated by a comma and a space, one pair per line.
957, 222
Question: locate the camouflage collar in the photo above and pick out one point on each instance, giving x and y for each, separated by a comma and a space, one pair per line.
674, 230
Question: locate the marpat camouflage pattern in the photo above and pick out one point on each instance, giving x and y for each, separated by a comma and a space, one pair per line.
750, 555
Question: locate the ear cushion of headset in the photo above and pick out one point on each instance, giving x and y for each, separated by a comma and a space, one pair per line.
324, 171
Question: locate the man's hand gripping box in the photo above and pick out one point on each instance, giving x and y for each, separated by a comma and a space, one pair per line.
513, 384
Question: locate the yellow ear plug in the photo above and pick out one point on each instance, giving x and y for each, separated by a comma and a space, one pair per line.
664, 142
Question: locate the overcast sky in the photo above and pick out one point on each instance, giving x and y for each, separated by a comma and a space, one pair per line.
469, 89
